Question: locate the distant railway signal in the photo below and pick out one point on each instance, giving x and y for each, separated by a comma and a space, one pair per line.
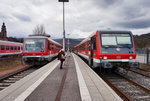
68, 43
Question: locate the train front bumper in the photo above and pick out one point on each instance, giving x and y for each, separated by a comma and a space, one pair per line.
109, 63
31, 58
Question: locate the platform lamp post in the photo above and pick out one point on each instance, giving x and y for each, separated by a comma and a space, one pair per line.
63, 21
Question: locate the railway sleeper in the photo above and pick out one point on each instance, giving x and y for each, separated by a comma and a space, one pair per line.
5, 84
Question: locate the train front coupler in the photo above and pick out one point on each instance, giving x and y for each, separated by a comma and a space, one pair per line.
133, 64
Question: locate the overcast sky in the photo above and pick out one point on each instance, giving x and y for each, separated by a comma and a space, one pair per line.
82, 16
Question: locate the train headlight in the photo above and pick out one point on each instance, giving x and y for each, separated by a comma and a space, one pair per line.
130, 57
105, 57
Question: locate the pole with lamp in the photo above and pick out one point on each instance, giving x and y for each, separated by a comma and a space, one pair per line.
63, 21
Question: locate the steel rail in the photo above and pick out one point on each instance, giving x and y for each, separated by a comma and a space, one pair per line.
120, 93
12, 77
139, 73
136, 84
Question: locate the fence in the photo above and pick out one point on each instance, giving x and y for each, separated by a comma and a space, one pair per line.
143, 55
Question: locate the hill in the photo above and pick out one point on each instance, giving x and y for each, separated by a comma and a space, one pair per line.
72, 42
142, 41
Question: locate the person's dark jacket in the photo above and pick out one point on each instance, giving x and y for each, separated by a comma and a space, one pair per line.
59, 55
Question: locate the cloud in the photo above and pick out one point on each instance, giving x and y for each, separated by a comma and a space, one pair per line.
106, 3
22, 17
82, 17
3, 16
136, 24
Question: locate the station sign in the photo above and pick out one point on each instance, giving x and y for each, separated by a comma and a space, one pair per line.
68, 43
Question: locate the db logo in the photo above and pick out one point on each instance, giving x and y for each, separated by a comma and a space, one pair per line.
118, 57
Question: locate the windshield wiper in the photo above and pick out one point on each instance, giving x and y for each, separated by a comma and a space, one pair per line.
109, 46
125, 45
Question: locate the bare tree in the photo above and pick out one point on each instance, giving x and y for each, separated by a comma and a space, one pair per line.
39, 30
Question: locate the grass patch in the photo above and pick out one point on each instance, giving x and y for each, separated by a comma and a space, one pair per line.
7, 63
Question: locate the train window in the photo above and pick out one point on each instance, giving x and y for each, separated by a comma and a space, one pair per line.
12, 48
83, 46
52, 46
2, 47
18, 47
7, 47
34, 45
15, 47
89, 44
116, 40
49, 45
94, 43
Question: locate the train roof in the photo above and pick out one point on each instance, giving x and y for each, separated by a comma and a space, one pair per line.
44, 37
86, 39
102, 31
55, 42
36, 37
10, 42
114, 31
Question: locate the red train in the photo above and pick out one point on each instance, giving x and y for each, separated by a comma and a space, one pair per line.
108, 49
39, 50
10, 48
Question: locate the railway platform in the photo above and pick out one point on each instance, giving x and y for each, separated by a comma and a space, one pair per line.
75, 82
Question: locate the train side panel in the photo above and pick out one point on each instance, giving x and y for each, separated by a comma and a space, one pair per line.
10, 48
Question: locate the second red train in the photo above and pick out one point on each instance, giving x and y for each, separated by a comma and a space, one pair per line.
108, 49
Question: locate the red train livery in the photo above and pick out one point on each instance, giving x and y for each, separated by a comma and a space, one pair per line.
108, 49
39, 49
10, 48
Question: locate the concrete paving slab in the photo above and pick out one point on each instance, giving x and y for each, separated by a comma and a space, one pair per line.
48, 89
13, 91
96, 86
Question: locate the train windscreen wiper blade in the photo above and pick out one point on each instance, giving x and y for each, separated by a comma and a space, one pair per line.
110, 46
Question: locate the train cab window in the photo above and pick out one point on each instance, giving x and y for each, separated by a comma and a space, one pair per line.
12, 48
18, 47
7, 47
34, 45
121, 40
2, 47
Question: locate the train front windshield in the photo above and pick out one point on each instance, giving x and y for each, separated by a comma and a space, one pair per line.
34, 45
116, 40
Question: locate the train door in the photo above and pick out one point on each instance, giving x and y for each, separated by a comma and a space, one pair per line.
91, 54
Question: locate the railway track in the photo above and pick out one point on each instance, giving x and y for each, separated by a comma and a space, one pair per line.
11, 78
15, 76
126, 88
141, 72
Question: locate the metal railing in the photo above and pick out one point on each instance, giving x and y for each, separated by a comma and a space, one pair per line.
143, 55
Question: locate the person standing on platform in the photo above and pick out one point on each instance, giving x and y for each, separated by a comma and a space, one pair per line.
61, 57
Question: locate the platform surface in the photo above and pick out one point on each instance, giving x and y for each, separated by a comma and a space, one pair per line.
81, 84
